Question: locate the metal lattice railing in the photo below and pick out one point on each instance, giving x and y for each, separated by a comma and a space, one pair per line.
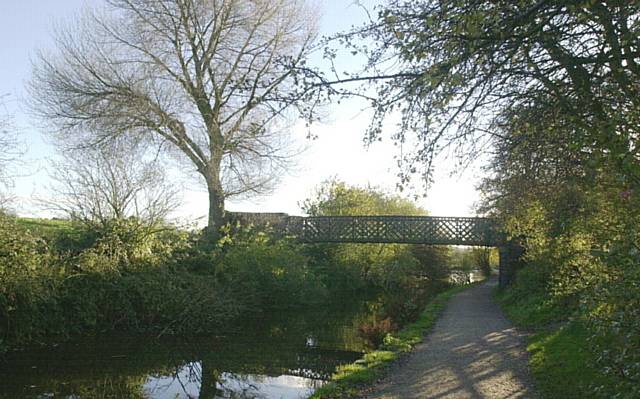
396, 229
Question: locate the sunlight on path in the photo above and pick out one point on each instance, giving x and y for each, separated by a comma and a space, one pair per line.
473, 352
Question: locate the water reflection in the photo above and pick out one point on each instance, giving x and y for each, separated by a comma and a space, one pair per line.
188, 382
279, 358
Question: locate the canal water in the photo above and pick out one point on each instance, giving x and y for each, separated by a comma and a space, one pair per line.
283, 358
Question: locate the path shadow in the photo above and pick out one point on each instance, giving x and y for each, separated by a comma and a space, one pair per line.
473, 352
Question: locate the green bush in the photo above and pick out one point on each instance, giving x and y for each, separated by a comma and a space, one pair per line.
381, 266
583, 254
338, 277
26, 280
133, 280
157, 301
269, 274
20, 251
122, 281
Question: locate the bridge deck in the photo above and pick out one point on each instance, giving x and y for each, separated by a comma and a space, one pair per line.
430, 230
396, 229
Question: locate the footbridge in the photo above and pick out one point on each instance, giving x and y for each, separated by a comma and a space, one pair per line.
424, 230
396, 229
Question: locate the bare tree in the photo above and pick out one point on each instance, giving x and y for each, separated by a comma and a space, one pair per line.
113, 182
10, 152
213, 79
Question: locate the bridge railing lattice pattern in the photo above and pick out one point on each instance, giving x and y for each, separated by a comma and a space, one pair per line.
396, 229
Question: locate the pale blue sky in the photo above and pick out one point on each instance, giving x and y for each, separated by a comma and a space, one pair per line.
27, 25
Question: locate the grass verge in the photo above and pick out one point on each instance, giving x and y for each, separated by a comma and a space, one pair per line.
563, 366
350, 378
561, 362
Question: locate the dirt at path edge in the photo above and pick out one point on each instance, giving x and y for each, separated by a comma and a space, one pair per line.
473, 352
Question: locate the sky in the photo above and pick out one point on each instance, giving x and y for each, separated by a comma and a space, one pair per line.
26, 26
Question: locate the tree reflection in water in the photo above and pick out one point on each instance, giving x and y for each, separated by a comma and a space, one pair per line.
196, 380
273, 358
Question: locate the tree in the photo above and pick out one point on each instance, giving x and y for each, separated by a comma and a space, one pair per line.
9, 153
485, 259
6, 143
387, 264
211, 80
118, 182
435, 261
453, 69
336, 198
551, 88
580, 218
567, 183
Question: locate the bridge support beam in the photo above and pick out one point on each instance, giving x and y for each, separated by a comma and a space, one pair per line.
510, 261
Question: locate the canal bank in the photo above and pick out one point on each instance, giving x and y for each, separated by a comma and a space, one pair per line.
356, 377
285, 356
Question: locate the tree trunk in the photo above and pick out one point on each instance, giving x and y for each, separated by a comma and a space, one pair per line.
208, 382
216, 210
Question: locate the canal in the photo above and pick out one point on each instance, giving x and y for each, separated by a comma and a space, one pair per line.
283, 357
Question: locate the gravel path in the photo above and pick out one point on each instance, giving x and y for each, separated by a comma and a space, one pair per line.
472, 352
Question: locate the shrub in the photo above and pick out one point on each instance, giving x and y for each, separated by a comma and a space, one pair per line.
381, 266
269, 274
375, 330
20, 251
121, 282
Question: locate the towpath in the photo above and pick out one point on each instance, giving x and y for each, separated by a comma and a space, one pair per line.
473, 352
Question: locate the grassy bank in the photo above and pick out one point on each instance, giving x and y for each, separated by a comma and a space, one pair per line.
349, 379
564, 367
563, 362
60, 281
